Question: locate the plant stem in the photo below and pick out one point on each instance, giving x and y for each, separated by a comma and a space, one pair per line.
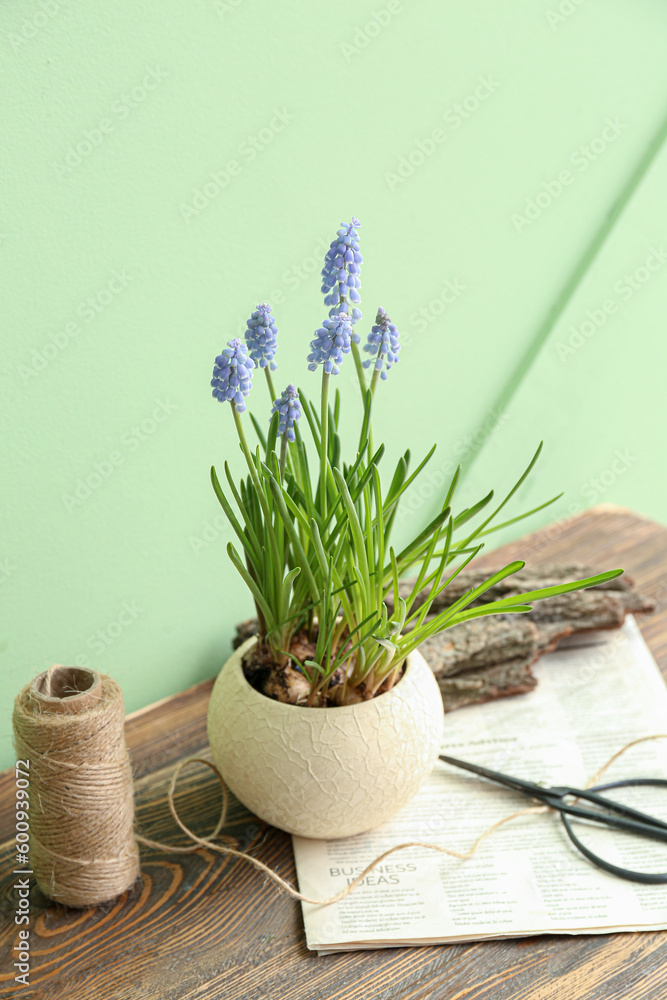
268, 523
283, 455
356, 354
346, 307
246, 450
252, 468
374, 382
324, 444
269, 381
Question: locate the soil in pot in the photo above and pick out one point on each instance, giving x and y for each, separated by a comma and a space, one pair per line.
287, 684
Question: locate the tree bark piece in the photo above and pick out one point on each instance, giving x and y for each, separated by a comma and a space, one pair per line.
479, 643
584, 609
551, 633
487, 684
245, 630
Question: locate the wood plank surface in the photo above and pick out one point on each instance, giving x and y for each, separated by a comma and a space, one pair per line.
200, 927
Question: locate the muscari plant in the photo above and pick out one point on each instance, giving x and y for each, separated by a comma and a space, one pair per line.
315, 531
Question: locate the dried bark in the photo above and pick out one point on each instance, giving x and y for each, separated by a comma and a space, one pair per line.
245, 630
550, 633
497, 671
487, 684
589, 609
488, 658
481, 643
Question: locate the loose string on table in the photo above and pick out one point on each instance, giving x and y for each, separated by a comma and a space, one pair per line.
227, 849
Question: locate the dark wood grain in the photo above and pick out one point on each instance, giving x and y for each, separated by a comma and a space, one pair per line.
205, 928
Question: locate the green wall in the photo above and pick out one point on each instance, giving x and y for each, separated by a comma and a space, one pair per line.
168, 166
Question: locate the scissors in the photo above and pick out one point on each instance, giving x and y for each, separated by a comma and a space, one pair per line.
610, 813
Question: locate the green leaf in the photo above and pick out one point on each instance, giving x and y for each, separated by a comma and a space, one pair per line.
252, 585
287, 590
314, 664
452, 487
357, 533
490, 582
520, 517
423, 537
421, 612
258, 430
248, 543
312, 418
367, 474
486, 609
437, 575
334, 449
379, 531
400, 473
345, 653
391, 498
273, 434
470, 512
472, 594
561, 588
394, 576
277, 492
508, 497
244, 502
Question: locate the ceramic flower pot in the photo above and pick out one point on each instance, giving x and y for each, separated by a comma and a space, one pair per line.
325, 772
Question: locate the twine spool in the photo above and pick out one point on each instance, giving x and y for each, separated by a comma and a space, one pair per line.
68, 722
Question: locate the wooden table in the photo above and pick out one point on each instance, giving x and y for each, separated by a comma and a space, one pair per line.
202, 926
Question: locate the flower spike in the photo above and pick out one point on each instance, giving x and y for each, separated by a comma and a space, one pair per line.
332, 341
340, 274
261, 337
383, 344
232, 375
288, 406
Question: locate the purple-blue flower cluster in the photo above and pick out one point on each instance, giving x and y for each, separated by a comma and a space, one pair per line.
261, 337
383, 344
288, 406
332, 341
340, 274
232, 374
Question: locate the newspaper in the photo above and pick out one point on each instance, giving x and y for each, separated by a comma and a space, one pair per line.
526, 878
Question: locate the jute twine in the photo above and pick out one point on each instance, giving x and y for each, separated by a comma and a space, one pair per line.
288, 887
83, 846
68, 722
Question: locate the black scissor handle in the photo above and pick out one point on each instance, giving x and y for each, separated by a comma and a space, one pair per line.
617, 808
647, 878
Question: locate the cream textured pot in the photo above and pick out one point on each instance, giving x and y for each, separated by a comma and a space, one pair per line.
325, 772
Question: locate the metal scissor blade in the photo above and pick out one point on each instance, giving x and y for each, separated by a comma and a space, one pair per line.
527, 787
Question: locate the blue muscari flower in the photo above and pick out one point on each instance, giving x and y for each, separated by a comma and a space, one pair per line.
383, 344
331, 342
232, 374
288, 406
261, 337
340, 274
